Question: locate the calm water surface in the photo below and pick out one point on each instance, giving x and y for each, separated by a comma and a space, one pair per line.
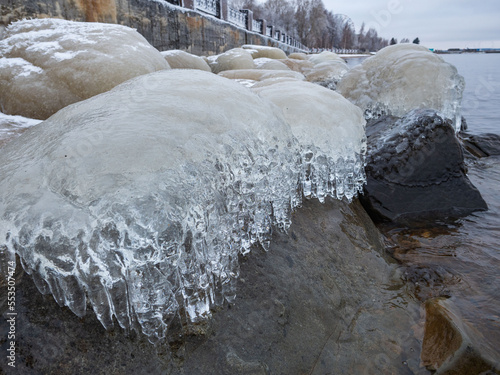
462, 261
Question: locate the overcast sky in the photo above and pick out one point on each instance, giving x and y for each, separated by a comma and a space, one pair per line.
437, 23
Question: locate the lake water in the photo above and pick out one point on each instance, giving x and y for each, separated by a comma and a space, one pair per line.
461, 261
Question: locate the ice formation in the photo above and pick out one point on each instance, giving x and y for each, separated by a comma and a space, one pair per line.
256, 75
327, 73
297, 56
404, 77
301, 66
325, 56
13, 126
265, 51
178, 59
47, 64
138, 201
269, 64
331, 132
236, 58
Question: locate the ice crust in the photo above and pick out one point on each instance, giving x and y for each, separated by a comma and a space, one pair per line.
236, 58
139, 200
401, 78
258, 75
269, 64
264, 51
325, 56
47, 64
327, 73
178, 59
13, 126
331, 133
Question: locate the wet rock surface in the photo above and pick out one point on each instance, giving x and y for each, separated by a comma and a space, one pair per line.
450, 346
481, 145
323, 299
416, 171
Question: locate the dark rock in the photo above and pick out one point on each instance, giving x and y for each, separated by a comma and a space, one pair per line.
322, 300
416, 171
451, 347
481, 145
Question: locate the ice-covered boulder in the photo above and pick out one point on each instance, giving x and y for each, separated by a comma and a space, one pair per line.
403, 77
297, 56
47, 64
327, 73
13, 126
178, 59
139, 201
324, 56
416, 171
236, 58
301, 66
269, 64
250, 77
331, 133
265, 51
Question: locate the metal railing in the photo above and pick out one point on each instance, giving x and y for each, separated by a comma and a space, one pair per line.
241, 18
208, 6
257, 26
237, 17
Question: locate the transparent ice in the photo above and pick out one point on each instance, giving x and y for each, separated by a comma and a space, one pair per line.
404, 77
137, 202
331, 133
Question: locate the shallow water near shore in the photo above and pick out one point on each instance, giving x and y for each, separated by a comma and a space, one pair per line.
461, 261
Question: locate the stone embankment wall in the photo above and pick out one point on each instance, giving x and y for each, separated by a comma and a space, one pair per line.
164, 25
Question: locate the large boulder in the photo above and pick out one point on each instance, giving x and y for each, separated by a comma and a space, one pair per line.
327, 73
269, 64
325, 56
47, 64
322, 300
297, 65
178, 59
138, 201
415, 170
236, 58
403, 77
264, 51
250, 77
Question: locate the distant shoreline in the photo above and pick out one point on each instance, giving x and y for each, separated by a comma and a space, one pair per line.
468, 50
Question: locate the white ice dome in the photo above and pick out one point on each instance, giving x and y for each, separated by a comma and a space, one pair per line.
403, 77
47, 64
140, 199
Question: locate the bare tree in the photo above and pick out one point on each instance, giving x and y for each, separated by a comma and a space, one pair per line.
281, 14
312, 24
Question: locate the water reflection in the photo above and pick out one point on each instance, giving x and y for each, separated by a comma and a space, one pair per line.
459, 261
